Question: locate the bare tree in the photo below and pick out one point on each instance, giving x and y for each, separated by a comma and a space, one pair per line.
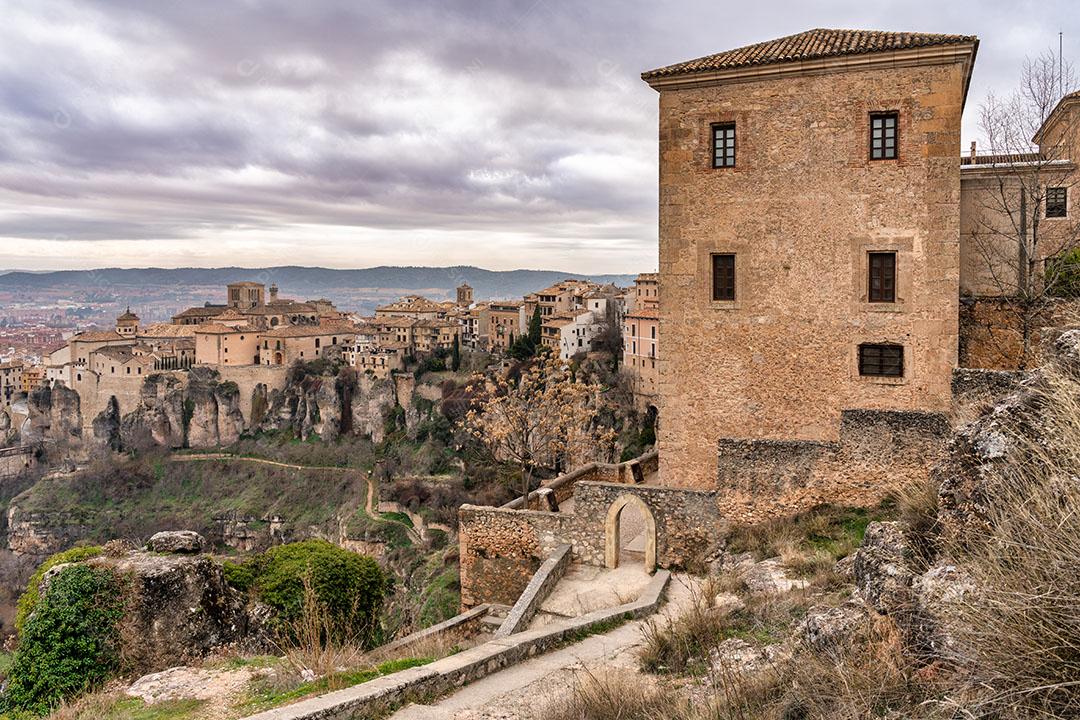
544, 418
1029, 173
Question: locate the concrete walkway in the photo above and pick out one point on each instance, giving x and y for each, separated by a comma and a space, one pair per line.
525, 691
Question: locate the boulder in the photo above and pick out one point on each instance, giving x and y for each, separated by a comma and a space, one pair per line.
179, 609
769, 577
827, 627
726, 603
940, 592
180, 542
735, 657
883, 574
189, 683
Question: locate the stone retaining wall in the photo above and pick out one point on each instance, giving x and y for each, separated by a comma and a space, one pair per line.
379, 696
877, 449
465, 625
536, 592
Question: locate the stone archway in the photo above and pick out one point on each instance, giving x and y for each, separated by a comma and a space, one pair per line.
612, 538
279, 359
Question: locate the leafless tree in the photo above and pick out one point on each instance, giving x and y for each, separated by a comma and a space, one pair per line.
1022, 249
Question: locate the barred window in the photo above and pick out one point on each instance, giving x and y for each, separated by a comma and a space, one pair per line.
723, 277
882, 284
883, 136
1057, 202
881, 360
724, 145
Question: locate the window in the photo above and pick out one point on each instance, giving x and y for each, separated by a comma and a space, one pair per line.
723, 145
882, 284
881, 360
1057, 202
883, 136
723, 277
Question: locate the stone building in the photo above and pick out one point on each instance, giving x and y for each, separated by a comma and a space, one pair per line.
464, 295
304, 343
809, 237
248, 300
11, 383
641, 331
506, 322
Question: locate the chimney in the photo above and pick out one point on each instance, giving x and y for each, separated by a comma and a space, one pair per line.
973, 150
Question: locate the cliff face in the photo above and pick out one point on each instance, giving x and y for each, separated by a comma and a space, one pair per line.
198, 410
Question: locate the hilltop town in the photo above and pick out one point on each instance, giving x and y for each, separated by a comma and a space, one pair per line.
257, 334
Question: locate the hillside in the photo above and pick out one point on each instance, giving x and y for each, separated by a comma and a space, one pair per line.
305, 281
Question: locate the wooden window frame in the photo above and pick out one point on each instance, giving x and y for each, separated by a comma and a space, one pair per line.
886, 292
719, 163
718, 292
882, 116
1061, 209
881, 366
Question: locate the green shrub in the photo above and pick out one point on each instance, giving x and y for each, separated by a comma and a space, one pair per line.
70, 643
1063, 274
350, 587
29, 599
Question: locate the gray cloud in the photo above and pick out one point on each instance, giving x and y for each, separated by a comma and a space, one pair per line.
206, 126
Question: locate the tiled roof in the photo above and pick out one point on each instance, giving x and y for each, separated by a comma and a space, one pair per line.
204, 311
808, 45
162, 330
98, 336
221, 329
328, 328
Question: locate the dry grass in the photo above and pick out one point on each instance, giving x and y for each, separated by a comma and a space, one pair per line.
620, 695
917, 505
311, 644
1019, 632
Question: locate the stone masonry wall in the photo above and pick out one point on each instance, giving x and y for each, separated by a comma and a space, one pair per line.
801, 210
876, 451
501, 548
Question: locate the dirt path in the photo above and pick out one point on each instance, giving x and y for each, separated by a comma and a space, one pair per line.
524, 692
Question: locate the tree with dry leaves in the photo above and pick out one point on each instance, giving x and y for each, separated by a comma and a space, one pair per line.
543, 418
1021, 227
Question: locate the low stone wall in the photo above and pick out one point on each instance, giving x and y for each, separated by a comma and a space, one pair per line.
975, 386
500, 550
877, 450
465, 625
990, 335
563, 485
379, 696
543, 582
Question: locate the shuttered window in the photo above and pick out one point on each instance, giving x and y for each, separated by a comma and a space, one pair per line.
723, 277
1057, 202
882, 282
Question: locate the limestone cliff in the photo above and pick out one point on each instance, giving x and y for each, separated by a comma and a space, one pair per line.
197, 409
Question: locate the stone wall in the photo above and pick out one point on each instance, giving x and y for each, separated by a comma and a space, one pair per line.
563, 486
501, 548
990, 336
801, 210
975, 386
876, 451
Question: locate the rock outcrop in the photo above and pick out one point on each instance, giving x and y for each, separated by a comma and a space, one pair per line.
54, 415
179, 609
176, 542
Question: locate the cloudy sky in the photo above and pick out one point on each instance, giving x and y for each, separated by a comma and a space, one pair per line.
355, 133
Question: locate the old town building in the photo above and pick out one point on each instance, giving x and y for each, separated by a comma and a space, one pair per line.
641, 330
809, 237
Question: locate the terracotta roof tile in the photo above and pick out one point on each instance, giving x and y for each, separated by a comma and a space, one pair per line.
808, 45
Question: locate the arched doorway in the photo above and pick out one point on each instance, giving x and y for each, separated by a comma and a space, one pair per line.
629, 522
279, 359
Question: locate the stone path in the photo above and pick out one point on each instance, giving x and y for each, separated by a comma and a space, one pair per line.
524, 691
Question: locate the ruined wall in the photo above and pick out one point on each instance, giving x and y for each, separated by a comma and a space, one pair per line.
800, 210
990, 335
876, 451
248, 377
501, 548
563, 486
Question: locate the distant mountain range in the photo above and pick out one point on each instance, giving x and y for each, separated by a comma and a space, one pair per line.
308, 282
